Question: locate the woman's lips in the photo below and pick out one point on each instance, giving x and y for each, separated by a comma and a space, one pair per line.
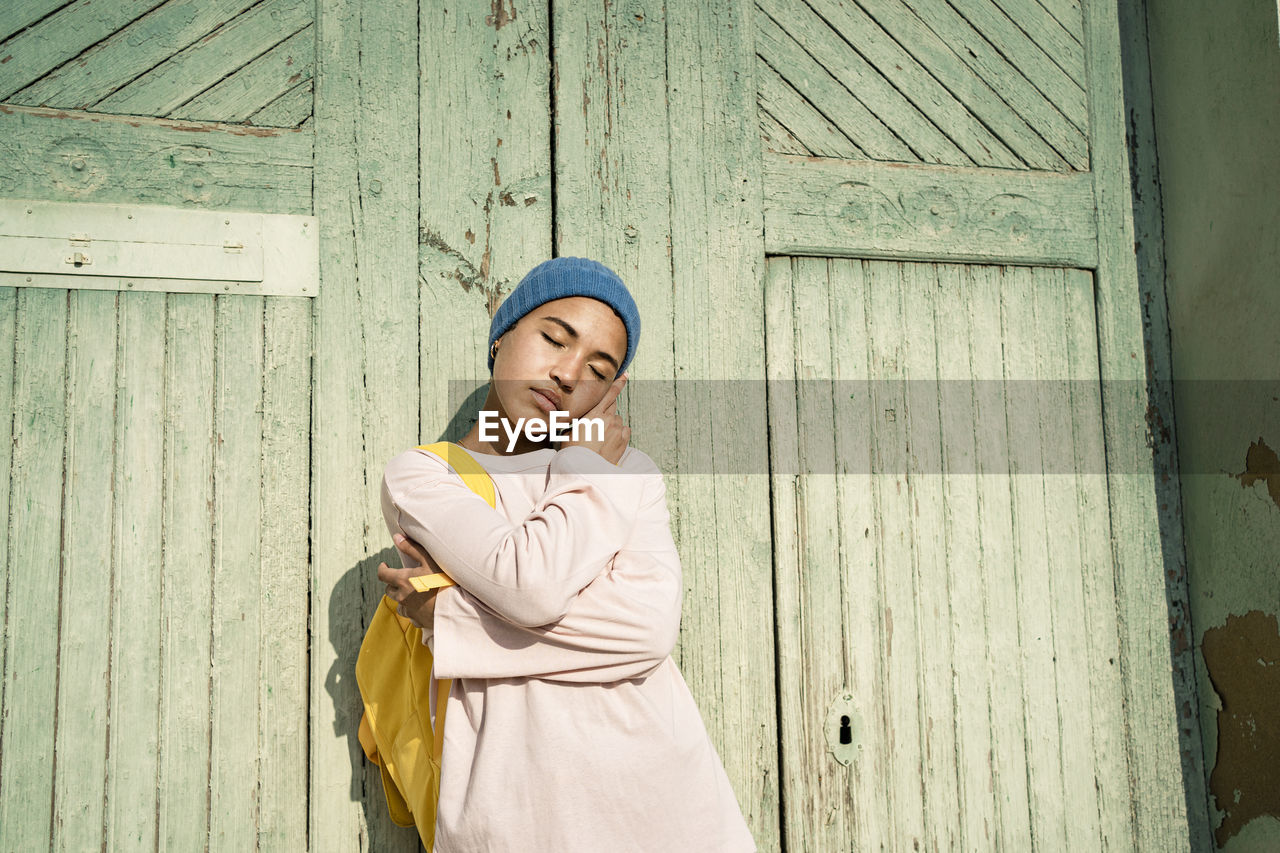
544, 401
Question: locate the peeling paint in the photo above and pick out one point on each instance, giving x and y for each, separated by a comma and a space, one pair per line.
1242, 657
1261, 463
501, 15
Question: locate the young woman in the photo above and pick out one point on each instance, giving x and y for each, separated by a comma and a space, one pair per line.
569, 727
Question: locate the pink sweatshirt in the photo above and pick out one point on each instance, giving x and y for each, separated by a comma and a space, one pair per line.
569, 726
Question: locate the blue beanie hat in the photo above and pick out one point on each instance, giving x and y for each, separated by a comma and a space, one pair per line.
561, 277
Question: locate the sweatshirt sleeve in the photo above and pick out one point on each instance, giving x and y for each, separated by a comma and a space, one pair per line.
623, 625
527, 572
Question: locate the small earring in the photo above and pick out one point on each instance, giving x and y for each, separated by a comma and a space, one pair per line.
493, 350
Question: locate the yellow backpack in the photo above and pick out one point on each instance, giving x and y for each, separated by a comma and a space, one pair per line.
393, 672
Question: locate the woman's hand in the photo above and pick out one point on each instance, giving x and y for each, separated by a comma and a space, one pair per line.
418, 607
616, 433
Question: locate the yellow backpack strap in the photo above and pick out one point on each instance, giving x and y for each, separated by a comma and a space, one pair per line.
476, 479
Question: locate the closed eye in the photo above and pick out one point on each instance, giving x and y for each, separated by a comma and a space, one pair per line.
551, 339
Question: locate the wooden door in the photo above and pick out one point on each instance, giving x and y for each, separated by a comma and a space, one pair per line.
964, 526
155, 539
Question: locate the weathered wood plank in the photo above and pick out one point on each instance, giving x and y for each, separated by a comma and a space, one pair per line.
612, 168
1046, 71
1011, 824
798, 118
366, 361
1111, 765
1068, 14
723, 526
66, 33
1049, 34
235, 98
917, 84
189, 72
969, 584
1037, 649
969, 88
285, 575
138, 556
17, 15
866, 83
237, 612
35, 566
900, 647
486, 209
862, 576
59, 155
1159, 806
1061, 129
289, 110
774, 137
933, 567
842, 208
84, 664
128, 53
1065, 536
8, 344
186, 585
816, 85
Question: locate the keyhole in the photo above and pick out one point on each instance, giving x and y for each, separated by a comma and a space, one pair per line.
846, 733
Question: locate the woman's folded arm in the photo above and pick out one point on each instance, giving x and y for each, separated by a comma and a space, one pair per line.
528, 572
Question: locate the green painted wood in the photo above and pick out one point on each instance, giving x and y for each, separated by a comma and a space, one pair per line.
1069, 15
866, 83
257, 84
1061, 129
62, 36
1055, 68
132, 799
17, 15
84, 664
186, 586
485, 211
1100, 605
186, 74
815, 84
1148, 226
1001, 687
613, 177
237, 611
58, 155
284, 575
723, 522
128, 53
8, 340
1159, 806
846, 208
366, 361
798, 119
932, 52
917, 84
291, 109
1061, 45
774, 138
35, 563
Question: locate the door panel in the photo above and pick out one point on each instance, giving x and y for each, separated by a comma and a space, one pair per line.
941, 547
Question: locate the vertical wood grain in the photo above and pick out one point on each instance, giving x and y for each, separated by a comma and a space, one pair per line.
364, 391
723, 521
284, 575
613, 178
28, 725
486, 208
186, 585
1156, 792
85, 629
234, 784
138, 557
8, 375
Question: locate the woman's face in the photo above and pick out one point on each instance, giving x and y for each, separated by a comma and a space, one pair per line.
562, 355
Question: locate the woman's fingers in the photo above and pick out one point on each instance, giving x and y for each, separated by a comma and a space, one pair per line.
410, 548
604, 407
